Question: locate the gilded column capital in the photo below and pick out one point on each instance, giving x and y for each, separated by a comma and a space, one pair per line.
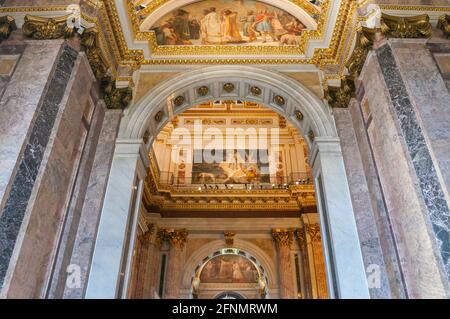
418, 26
444, 24
115, 98
41, 28
340, 96
314, 232
147, 235
363, 44
301, 236
283, 237
7, 25
176, 237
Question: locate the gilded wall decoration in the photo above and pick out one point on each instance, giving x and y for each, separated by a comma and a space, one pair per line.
406, 27
41, 28
7, 25
444, 24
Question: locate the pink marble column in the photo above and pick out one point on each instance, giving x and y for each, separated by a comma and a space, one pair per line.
177, 239
283, 239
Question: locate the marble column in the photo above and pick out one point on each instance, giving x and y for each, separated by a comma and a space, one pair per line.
110, 269
177, 240
406, 114
346, 276
141, 267
47, 142
373, 225
283, 239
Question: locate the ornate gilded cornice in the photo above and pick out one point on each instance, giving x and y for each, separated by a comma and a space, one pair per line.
314, 232
339, 97
176, 237
406, 27
283, 237
115, 98
364, 43
7, 25
444, 24
41, 28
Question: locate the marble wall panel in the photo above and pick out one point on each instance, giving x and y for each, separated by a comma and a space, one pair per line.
23, 190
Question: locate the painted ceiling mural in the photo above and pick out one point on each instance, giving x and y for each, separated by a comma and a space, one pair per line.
229, 269
228, 22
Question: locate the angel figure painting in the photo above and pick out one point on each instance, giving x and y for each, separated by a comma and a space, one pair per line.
228, 22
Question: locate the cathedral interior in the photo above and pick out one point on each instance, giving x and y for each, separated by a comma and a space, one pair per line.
224, 149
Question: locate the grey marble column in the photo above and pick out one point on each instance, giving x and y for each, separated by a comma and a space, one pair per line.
177, 240
110, 268
40, 184
283, 239
346, 275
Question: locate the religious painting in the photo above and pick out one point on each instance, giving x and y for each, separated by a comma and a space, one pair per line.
229, 269
230, 166
228, 22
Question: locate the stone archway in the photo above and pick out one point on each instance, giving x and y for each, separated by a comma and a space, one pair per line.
253, 250
346, 275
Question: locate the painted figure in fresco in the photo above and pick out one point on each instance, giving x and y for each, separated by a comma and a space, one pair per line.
181, 26
247, 28
212, 28
194, 29
237, 273
230, 28
277, 27
294, 29
169, 34
264, 26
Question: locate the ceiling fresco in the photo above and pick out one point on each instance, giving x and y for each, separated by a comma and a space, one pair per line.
230, 22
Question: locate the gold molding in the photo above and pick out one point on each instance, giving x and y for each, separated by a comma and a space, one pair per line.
406, 27
7, 25
41, 28
444, 24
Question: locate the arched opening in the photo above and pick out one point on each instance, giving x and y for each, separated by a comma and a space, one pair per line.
121, 220
229, 273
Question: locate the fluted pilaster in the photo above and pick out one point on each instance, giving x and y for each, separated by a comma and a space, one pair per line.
283, 238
